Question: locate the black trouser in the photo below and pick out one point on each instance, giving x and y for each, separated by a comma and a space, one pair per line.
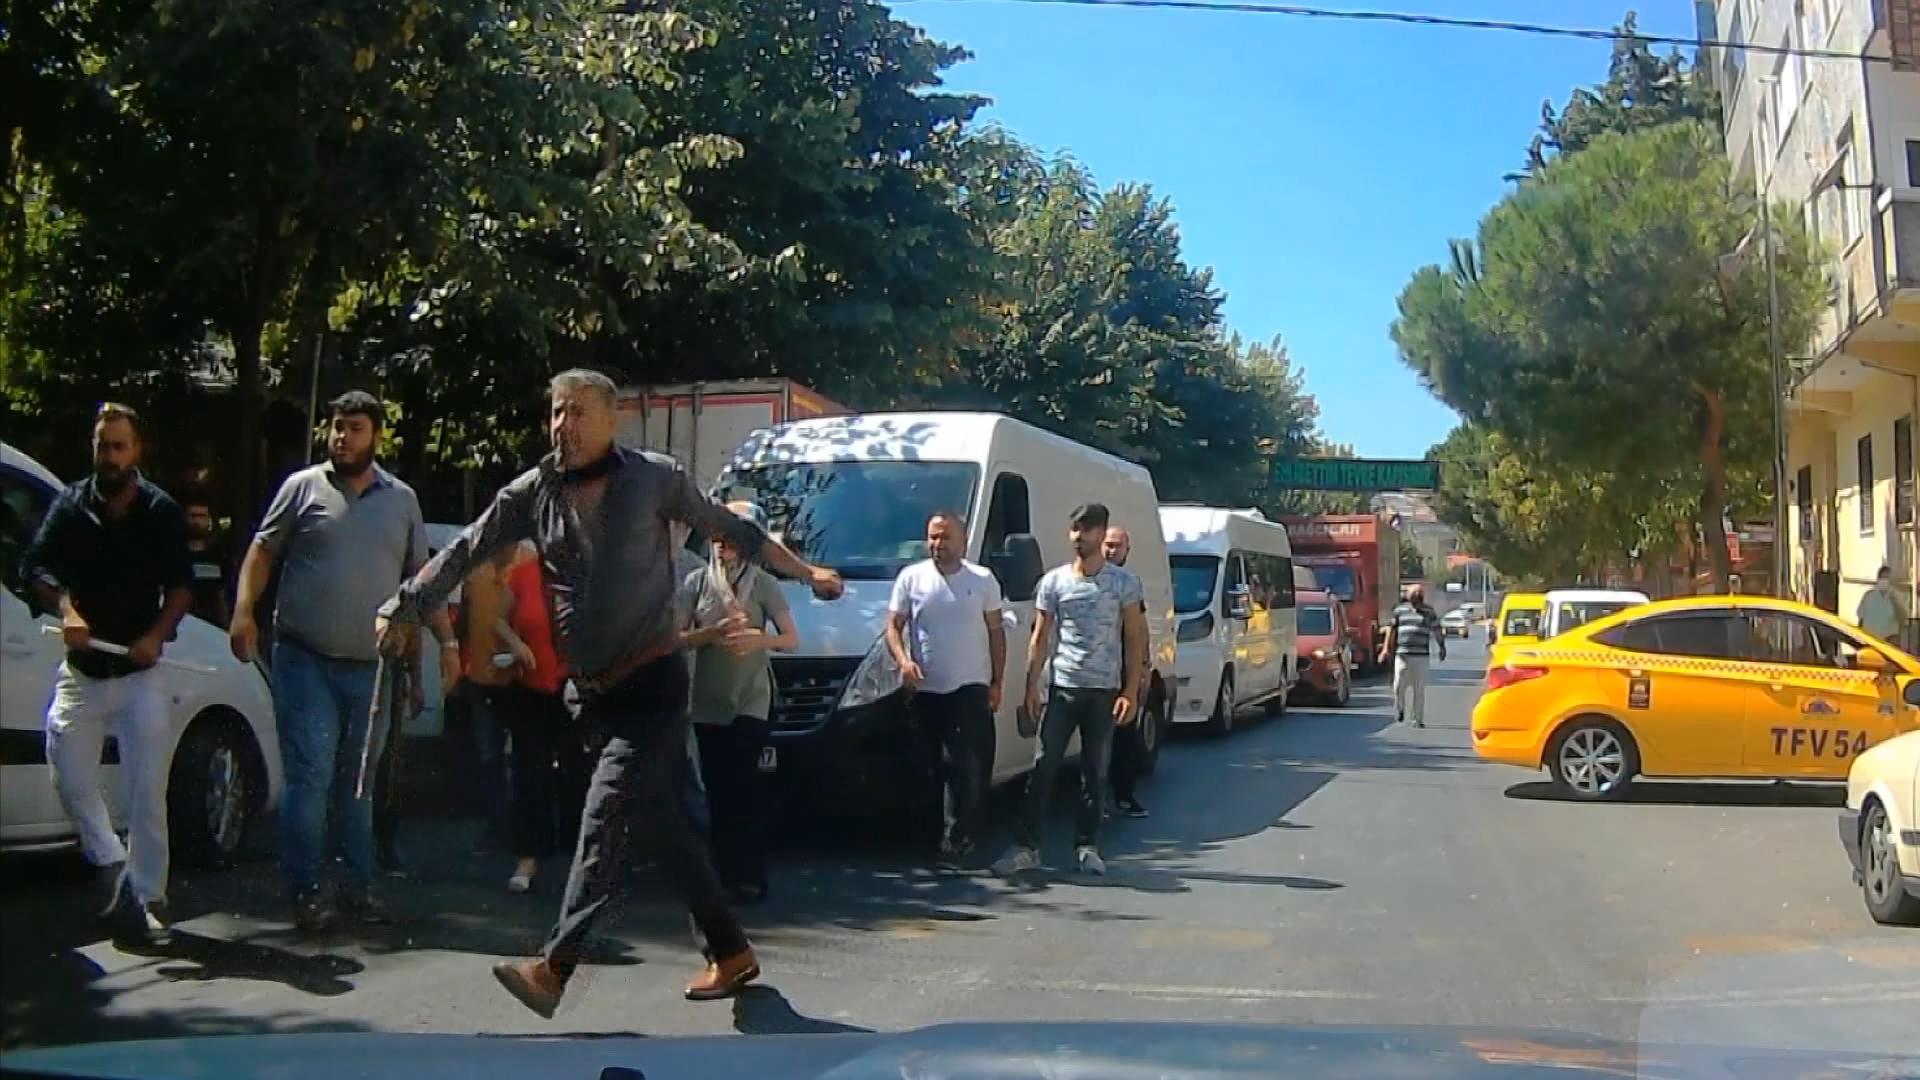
549, 768
736, 799
1070, 709
636, 795
958, 727
1129, 758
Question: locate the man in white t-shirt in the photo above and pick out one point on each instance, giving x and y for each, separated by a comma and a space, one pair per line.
944, 630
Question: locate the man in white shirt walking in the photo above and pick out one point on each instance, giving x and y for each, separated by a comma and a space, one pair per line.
944, 630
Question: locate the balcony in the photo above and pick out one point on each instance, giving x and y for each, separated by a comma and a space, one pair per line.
1875, 315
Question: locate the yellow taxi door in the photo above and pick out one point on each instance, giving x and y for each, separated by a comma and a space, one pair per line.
1809, 712
1677, 680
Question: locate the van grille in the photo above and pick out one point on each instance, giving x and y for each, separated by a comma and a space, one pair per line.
806, 690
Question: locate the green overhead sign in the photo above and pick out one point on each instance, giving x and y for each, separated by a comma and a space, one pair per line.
1354, 474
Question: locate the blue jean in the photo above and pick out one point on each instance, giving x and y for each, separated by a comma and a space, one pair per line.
320, 705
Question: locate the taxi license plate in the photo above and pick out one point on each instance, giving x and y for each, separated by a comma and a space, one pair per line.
769, 758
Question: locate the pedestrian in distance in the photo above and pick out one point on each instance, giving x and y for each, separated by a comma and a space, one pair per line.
1412, 636
210, 563
739, 615
1129, 741
111, 559
945, 632
1089, 624
600, 516
344, 532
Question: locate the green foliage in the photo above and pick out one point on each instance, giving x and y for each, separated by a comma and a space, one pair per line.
1642, 90
1413, 563
1523, 334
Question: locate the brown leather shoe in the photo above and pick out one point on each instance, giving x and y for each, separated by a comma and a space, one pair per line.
724, 978
534, 982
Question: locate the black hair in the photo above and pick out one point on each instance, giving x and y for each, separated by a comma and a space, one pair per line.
950, 516
1090, 516
359, 403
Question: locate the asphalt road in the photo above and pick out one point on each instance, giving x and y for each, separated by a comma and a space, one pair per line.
1326, 867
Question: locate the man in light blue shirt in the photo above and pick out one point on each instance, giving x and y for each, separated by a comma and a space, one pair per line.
1089, 624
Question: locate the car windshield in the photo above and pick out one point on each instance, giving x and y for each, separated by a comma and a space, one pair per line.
1524, 622
1316, 620
1336, 579
1193, 578
866, 519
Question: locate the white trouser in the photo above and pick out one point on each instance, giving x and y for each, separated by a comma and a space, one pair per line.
133, 707
1410, 688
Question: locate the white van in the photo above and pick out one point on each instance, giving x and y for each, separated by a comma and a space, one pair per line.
854, 493
1233, 589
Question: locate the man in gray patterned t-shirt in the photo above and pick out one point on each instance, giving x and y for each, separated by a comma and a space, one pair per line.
1089, 612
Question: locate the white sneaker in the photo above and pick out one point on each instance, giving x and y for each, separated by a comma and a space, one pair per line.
1090, 861
1017, 861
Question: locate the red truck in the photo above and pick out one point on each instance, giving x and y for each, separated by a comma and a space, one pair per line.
1356, 557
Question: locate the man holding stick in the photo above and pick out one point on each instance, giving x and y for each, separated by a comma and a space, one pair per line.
601, 517
111, 559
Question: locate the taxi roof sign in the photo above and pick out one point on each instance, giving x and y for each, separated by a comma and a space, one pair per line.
1354, 474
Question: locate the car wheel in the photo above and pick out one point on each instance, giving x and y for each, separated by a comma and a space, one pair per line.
1887, 898
212, 790
1593, 760
1221, 722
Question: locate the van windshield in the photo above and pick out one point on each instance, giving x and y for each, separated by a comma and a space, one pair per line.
1193, 577
866, 519
1336, 578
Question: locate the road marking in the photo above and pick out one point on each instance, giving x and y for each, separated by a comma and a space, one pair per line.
1838, 994
1175, 937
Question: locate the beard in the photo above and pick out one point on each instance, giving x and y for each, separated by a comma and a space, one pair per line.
351, 467
111, 480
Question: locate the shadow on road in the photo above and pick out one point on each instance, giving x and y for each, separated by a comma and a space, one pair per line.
1693, 793
763, 1010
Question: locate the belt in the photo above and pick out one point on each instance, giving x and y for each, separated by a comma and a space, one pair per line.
610, 676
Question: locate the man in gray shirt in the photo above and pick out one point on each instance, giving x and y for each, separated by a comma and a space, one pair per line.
345, 532
601, 517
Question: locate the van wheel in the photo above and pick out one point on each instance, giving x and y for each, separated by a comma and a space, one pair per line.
212, 789
1592, 759
1221, 722
1155, 722
1342, 686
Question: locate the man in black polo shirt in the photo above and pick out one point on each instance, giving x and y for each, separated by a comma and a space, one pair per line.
111, 558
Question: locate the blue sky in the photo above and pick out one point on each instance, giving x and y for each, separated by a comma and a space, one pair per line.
1313, 164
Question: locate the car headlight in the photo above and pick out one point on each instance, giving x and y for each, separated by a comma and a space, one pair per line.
1322, 654
1199, 629
877, 677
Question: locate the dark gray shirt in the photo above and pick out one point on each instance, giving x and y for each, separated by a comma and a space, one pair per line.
343, 555
613, 578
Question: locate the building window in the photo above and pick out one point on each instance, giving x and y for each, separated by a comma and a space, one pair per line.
1803, 499
1903, 471
1913, 163
1863, 481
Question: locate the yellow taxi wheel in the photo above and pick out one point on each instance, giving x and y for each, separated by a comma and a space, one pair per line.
1593, 759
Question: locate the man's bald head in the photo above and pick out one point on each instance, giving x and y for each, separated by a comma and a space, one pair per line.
1118, 546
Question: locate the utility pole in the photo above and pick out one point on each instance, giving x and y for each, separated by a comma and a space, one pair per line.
1777, 368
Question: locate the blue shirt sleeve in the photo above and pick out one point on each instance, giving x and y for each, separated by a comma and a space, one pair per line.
44, 560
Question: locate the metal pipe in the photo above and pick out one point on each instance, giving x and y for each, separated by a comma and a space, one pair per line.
1775, 366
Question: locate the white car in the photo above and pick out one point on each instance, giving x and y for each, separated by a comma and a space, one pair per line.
226, 757
1880, 828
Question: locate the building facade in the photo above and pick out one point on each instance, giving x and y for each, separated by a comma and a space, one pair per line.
1836, 138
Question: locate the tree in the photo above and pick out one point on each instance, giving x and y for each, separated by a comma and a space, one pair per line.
1641, 91
1524, 332
1413, 563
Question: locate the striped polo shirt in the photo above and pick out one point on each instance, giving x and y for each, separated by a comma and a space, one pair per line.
1413, 630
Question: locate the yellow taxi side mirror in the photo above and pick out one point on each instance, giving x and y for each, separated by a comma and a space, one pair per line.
1871, 660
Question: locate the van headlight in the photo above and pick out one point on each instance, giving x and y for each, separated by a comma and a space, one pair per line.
1199, 629
877, 677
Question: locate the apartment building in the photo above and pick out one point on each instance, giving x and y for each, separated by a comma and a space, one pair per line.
1837, 138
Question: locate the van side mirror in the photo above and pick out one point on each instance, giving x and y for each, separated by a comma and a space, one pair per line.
1239, 602
1018, 566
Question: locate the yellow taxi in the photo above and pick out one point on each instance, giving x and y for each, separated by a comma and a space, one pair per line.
1518, 623
1697, 687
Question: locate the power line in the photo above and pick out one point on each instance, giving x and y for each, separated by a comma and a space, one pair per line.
1244, 7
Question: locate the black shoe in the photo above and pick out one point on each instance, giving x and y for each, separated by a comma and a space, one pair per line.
364, 909
954, 856
310, 912
389, 862
1132, 808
